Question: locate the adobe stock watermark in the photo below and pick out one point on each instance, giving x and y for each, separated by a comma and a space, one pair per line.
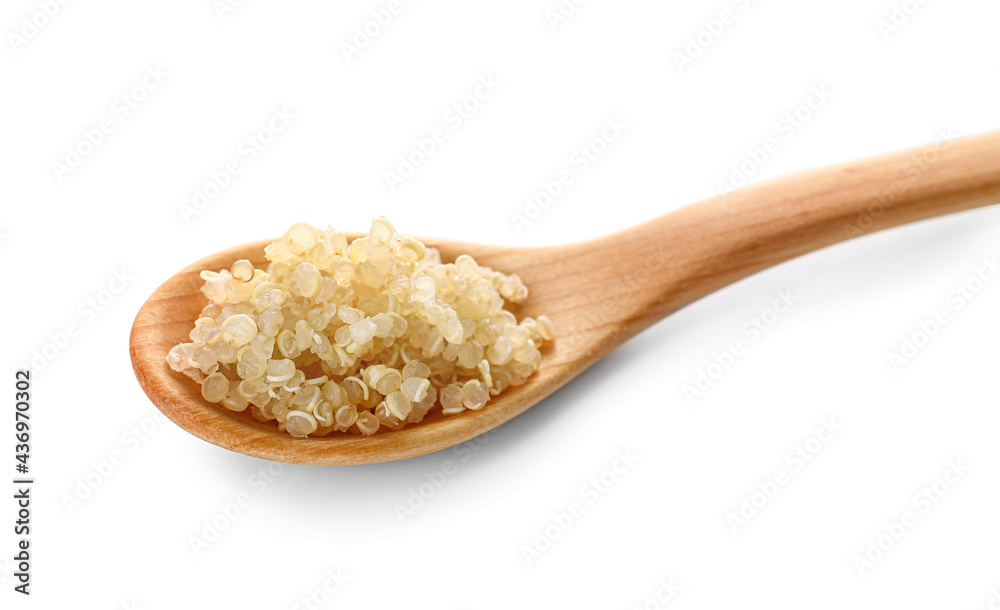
705, 377
247, 151
365, 33
424, 147
909, 171
581, 159
666, 591
796, 459
225, 8
956, 300
228, 513
595, 488
898, 18
652, 262
713, 28
561, 12
34, 24
122, 108
102, 470
993, 603
333, 582
84, 314
417, 497
784, 129
921, 503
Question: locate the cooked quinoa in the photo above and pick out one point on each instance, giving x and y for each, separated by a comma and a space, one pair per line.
350, 337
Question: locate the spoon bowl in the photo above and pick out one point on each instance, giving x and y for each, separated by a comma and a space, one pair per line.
168, 316
598, 294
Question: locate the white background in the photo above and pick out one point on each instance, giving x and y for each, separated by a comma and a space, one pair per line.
128, 542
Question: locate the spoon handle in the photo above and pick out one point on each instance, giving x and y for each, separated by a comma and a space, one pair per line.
696, 250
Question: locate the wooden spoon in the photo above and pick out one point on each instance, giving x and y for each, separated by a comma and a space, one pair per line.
599, 293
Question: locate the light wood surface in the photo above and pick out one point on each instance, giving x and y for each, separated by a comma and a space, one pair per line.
598, 294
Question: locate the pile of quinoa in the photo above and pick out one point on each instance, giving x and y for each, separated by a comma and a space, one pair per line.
338, 336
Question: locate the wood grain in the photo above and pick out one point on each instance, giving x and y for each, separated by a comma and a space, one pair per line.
598, 294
